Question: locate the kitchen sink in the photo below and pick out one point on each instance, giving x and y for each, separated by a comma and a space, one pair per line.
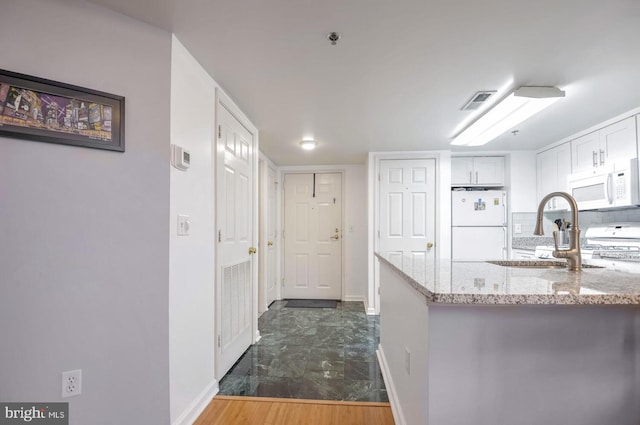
537, 264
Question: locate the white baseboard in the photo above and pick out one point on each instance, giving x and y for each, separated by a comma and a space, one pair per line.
396, 409
257, 337
371, 311
354, 298
197, 406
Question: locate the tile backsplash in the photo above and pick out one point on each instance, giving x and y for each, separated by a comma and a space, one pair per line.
527, 221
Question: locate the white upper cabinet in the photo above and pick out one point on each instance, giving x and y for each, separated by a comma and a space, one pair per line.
477, 171
553, 166
604, 147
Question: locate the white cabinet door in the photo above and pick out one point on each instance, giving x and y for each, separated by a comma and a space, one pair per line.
585, 152
552, 170
461, 171
477, 171
489, 170
618, 142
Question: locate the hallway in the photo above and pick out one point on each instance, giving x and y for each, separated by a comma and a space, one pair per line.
311, 353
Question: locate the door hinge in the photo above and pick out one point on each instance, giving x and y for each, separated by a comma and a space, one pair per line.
283, 234
283, 282
378, 290
218, 340
219, 131
219, 235
334, 200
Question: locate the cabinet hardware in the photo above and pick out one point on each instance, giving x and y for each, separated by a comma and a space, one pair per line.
601, 157
595, 158
252, 250
476, 177
470, 177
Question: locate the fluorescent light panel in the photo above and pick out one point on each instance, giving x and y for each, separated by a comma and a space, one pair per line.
511, 111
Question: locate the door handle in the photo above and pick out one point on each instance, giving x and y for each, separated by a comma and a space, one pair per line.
595, 158
429, 245
335, 237
601, 157
476, 177
252, 250
269, 243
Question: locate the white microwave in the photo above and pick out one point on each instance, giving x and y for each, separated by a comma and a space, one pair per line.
613, 186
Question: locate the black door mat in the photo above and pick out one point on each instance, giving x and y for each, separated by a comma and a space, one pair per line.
312, 303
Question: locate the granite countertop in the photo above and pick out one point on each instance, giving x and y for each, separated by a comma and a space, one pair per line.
447, 282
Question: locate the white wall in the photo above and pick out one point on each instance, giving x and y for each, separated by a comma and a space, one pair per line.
192, 267
84, 249
404, 320
355, 226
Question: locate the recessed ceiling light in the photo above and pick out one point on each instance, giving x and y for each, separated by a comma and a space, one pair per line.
308, 144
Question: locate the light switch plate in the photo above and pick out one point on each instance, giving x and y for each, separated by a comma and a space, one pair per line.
184, 225
517, 228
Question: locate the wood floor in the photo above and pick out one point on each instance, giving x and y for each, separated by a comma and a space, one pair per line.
231, 410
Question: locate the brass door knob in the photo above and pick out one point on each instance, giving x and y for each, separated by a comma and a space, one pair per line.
335, 237
429, 245
252, 250
269, 243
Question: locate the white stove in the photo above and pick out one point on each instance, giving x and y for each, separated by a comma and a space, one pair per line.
612, 245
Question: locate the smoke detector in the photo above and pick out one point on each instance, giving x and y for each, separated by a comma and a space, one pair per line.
477, 100
333, 37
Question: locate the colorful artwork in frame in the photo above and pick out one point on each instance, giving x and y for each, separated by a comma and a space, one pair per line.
33, 108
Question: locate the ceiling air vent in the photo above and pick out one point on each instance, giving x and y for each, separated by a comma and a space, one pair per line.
477, 100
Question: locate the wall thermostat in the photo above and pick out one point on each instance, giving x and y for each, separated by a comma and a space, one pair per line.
180, 157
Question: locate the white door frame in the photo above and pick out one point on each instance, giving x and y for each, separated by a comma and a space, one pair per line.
283, 171
442, 213
223, 101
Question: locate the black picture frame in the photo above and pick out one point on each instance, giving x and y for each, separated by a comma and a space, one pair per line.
33, 108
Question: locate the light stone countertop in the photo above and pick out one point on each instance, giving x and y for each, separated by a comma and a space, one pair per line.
447, 282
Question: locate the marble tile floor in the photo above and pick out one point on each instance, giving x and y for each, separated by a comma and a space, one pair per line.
311, 353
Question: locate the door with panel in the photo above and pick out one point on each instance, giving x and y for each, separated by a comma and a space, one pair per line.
407, 212
312, 236
235, 220
271, 236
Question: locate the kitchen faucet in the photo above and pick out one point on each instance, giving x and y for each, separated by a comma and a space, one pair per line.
573, 255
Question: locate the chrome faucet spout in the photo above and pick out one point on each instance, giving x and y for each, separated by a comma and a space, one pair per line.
573, 254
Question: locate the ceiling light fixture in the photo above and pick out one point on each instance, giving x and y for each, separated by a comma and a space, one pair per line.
308, 144
521, 104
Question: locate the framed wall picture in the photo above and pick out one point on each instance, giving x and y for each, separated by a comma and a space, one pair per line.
33, 108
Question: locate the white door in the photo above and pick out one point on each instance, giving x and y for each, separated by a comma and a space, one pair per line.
271, 236
407, 210
312, 236
234, 284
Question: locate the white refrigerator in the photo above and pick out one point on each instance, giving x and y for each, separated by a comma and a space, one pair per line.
478, 225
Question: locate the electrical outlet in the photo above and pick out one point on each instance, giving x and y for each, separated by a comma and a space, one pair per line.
517, 228
407, 360
71, 383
